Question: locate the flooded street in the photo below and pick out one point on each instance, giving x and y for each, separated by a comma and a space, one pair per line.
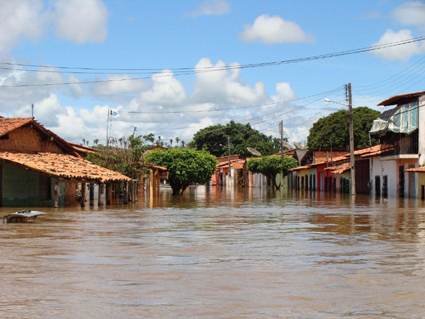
216, 254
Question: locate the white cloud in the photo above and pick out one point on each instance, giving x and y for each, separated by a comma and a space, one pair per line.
165, 90
211, 7
20, 20
77, 89
118, 84
49, 110
81, 21
284, 92
224, 86
272, 30
411, 13
401, 52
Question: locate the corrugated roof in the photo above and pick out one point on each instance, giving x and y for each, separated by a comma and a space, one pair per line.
64, 166
399, 99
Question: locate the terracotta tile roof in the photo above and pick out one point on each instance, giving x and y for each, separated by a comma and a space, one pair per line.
334, 160
226, 163
225, 159
299, 168
64, 166
339, 169
416, 169
239, 165
377, 150
8, 125
83, 149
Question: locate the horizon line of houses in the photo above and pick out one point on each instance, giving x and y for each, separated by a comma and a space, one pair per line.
38, 168
394, 167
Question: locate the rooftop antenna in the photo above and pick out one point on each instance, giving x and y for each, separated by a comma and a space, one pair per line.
32, 110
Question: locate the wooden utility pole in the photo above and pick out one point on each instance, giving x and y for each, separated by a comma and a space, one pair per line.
352, 160
281, 152
228, 148
107, 129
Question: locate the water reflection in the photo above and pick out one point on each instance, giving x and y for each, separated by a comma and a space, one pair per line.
216, 253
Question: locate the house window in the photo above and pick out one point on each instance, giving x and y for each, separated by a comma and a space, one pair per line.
45, 184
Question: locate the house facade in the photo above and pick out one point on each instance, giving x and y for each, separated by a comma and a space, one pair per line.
402, 129
40, 169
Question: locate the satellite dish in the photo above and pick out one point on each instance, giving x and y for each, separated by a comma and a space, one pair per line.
253, 151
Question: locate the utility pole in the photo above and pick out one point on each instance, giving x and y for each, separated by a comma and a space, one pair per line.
281, 152
228, 148
107, 128
352, 160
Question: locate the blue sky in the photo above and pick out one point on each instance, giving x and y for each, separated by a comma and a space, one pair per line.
114, 38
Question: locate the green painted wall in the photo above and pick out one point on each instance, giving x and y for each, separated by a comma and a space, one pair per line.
21, 189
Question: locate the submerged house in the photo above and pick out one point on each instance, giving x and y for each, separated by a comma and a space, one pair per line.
402, 130
36, 165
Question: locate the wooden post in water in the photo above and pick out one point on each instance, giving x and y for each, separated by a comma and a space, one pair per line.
83, 194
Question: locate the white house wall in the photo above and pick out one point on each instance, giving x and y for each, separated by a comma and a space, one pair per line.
421, 130
384, 168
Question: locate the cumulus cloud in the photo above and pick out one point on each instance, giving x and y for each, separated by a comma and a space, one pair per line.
118, 84
81, 21
165, 90
77, 89
20, 20
273, 30
411, 14
49, 110
211, 7
284, 92
401, 52
224, 86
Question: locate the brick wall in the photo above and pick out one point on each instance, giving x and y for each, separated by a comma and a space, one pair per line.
27, 139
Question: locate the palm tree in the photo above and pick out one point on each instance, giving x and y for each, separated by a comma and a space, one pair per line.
171, 142
177, 141
183, 142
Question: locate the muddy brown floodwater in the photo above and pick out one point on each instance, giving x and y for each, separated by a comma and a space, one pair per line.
219, 254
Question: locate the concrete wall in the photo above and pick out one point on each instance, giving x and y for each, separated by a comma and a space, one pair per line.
422, 130
384, 168
20, 188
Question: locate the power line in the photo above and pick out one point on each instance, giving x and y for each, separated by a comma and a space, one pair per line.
186, 70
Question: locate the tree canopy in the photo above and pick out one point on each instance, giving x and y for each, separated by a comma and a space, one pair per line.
124, 155
333, 130
270, 166
184, 166
214, 140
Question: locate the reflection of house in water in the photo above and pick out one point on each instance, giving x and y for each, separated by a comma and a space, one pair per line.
33, 159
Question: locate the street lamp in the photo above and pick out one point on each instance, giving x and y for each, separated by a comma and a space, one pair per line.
350, 115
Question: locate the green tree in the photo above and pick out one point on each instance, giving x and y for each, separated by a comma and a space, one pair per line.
123, 155
270, 166
333, 130
184, 166
214, 140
